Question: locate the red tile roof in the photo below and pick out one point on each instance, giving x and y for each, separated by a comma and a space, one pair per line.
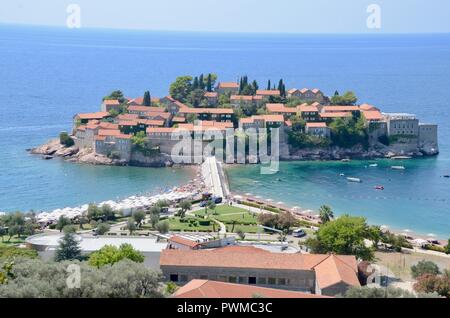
316, 125
228, 85
240, 257
307, 108
372, 115
111, 102
97, 115
280, 108
329, 109
206, 111
335, 115
183, 241
211, 94
137, 108
337, 269
127, 116
198, 288
265, 92
178, 119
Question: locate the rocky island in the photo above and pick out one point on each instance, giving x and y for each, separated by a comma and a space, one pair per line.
312, 126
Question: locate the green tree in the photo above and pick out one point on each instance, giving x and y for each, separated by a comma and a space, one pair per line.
109, 255
103, 228
131, 225
163, 226
147, 99
154, 219
447, 247
424, 267
349, 98
374, 292
185, 206
65, 139
181, 88
117, 94
240, 233
139, 217
268, 85
344, 235
62, 222
209, 83
326, 214
68, 248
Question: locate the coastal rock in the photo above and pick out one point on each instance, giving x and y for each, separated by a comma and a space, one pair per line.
49, 148
160, 160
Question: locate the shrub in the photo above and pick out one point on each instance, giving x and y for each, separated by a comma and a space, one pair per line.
65, 139
204, 222
424, 267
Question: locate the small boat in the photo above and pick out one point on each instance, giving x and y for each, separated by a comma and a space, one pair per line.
398, 167
401, 157
379, 187
446, 176
342, 174
373, 165
351, 179
345, 160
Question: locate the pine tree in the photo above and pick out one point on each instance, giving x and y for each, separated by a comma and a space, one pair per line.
336, 93
209, 83
68, 249
147, 99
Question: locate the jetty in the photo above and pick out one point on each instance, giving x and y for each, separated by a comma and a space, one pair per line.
214, 177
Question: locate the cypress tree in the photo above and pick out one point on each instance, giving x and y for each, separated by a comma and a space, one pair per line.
268, 85
209, 83
255, 86
147, 99
195, 84
241, 86
201, 82
280, 85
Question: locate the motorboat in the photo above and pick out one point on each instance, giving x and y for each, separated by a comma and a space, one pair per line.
379, 187
398, 167
351, 179
373, 165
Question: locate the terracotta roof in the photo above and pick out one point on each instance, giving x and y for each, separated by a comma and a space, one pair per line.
111, 102
178, 119
97, 115
372, 114
151, 122
137, 108
104, 125
127, 116
228, 85
329, 109
367, 107
316, 125
206, 111
288, 123
183, 241
101, 138
336, 269
307, 108
211, 123
265, 118
198, 288
81, 128
265, 92
335, 115
240, 257
241, 97
211, 94
112, 133
280, 108
128, 123
160, 130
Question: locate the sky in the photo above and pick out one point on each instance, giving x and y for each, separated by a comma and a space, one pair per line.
265, 16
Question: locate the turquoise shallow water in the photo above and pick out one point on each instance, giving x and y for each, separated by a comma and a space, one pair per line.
49, 74
416, 198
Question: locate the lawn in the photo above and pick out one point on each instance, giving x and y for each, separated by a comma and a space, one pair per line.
190, 224
14, 240
227, 214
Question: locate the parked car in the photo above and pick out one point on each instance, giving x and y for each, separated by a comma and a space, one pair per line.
298, 233
203, 204
217, 200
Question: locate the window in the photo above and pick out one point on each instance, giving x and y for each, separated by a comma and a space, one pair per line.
252, 280
232, 279
281, 281
173, 277
222, 278
183, 278
203, 276
262, 280
272, 281
241, 280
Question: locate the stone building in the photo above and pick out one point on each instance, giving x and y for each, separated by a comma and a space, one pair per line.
312, 273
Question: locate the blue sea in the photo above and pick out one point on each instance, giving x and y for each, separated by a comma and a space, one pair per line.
49, 74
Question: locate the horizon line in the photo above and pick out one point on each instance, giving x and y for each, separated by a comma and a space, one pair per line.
375, 33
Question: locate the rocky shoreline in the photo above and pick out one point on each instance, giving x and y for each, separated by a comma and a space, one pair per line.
54, 149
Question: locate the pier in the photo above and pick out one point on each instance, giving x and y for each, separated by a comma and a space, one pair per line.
214, 177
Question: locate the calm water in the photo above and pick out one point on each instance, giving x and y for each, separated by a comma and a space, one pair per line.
48, 74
